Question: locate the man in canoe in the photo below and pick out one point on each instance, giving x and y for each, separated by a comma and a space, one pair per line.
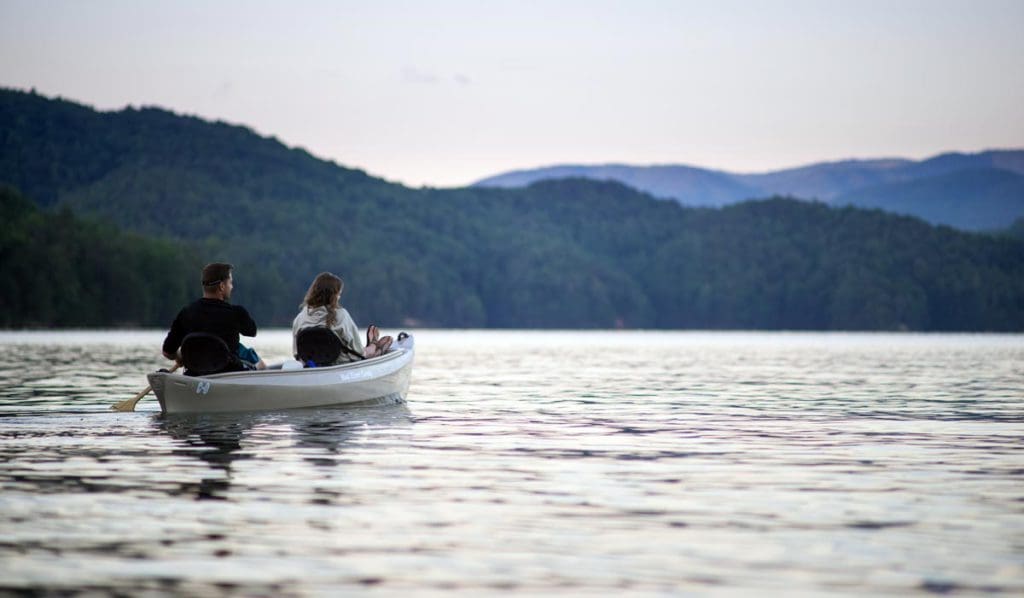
213, 314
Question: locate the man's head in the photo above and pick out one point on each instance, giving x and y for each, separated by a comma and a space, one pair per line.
217, 281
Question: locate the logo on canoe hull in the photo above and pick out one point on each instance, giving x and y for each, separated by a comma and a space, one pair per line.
202, 388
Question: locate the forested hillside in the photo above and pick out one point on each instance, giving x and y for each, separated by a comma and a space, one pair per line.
570, 253
58, 270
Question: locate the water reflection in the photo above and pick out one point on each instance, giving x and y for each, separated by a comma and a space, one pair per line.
319, 435
219, 440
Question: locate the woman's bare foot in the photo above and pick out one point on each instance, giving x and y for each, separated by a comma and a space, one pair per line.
377, 347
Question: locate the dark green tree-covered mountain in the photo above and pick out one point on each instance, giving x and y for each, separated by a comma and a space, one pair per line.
59, 270
569, 253
689, 185
1016, 229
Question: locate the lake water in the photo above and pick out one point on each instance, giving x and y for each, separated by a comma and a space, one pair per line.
538, 462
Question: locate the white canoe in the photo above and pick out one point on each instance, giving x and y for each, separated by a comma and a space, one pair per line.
384, 377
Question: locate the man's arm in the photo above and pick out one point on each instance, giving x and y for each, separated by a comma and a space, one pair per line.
246, 325
173, 340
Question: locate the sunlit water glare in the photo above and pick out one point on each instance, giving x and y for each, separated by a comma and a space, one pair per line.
588, 462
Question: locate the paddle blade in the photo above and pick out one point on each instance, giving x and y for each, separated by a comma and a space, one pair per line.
129, 404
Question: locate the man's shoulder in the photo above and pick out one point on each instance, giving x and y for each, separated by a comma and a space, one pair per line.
239, 309
216, 304
191, 307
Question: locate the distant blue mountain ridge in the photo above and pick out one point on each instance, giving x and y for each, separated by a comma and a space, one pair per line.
981, 191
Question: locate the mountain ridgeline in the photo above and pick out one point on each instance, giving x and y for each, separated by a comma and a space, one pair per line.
983, 191
571, 253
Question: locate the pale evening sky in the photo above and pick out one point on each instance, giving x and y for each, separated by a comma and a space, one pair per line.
444, 93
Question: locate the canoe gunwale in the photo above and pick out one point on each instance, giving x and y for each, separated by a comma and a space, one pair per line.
256, 374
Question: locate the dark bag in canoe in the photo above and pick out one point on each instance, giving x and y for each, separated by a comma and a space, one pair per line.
204, 354
319, 346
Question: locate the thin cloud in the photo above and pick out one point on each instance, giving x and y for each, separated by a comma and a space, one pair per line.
413, 75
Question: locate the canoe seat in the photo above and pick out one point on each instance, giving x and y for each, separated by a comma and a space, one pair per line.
204, 354
318, 345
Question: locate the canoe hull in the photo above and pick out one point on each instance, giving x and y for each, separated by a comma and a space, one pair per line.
385, 377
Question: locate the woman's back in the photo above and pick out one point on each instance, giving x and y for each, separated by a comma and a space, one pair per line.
342, 324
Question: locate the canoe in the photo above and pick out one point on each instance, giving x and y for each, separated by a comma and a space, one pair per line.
385, 377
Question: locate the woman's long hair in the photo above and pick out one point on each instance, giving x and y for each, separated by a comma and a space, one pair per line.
325, 292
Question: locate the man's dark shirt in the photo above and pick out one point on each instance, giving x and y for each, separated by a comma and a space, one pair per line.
214, 317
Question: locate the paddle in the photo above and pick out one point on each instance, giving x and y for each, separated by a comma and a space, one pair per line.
129, 404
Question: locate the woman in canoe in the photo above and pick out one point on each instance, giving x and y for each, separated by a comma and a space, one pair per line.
321, 307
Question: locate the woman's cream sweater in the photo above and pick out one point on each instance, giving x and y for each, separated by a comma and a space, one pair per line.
344, 327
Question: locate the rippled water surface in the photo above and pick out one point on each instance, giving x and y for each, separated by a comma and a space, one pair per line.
540, 462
